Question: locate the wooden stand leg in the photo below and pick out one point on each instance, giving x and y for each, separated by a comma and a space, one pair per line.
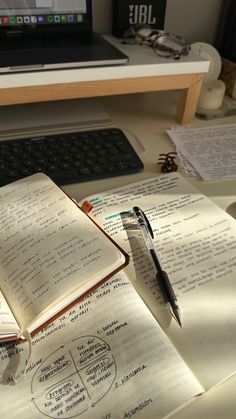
188, 102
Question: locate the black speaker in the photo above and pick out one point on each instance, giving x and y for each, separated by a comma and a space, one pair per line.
127, 13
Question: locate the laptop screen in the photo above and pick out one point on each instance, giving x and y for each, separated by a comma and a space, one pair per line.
31, 13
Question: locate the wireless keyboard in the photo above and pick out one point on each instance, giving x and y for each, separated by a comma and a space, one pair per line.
71, 157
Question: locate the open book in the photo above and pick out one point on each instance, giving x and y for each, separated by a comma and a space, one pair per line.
196, 243
119, 353
51, 254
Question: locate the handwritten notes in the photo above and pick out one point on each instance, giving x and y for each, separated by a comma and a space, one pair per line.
46, 243
189, 230
210, 150
196, 242
96, 362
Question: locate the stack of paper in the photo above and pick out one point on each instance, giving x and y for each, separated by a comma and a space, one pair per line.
210, 150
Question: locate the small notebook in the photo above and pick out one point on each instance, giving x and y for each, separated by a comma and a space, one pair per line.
52, 253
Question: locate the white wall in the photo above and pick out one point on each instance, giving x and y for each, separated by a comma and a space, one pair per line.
102, 16
195, 20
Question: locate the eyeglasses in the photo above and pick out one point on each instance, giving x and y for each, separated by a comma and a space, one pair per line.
164, 44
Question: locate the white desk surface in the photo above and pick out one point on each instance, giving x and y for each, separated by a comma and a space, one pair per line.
147, 116
143, 62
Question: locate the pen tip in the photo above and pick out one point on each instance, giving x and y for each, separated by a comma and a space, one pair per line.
179, 323
177, 317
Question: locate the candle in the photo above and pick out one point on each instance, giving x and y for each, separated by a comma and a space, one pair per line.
212, 94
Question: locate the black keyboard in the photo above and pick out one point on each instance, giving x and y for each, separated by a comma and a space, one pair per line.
71, 157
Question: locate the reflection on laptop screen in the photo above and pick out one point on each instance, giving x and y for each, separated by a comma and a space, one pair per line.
42, 12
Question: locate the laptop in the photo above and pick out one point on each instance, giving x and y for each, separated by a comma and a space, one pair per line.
51, 34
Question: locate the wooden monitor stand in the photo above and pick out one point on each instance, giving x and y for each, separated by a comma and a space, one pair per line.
145, 72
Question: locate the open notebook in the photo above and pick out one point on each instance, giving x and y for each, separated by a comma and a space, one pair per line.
115, 355
52, 253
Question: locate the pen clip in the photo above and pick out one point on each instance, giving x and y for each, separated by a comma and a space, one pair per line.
139, 213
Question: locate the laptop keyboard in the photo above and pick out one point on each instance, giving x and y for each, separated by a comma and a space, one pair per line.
71, 157
44, 41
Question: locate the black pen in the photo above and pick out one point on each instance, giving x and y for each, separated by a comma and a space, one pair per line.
162, 277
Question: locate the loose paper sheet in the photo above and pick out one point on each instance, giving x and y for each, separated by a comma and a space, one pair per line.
211, 150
